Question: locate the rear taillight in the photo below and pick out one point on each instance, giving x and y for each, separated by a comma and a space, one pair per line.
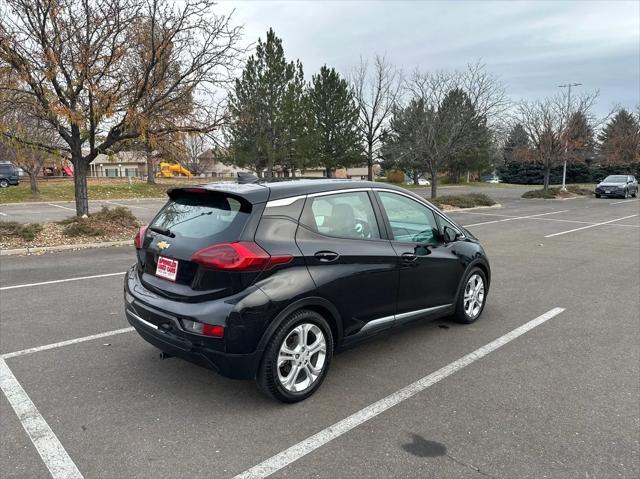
139, 239
213, 330
241, 256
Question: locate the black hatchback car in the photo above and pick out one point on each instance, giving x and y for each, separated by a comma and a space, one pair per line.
266, 281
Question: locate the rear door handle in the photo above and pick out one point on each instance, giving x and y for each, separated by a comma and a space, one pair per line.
326, 256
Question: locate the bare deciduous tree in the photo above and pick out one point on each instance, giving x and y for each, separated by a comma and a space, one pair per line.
547, 123
82, 66
16, 117
457, 104
376, 90
200, 154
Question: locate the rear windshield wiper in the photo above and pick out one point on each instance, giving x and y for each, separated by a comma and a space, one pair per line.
162, 231
167, 231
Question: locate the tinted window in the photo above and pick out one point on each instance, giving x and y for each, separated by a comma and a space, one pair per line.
410, 220
346, 215
7, 169
211, 218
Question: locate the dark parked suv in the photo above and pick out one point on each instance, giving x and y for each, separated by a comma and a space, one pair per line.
266, 281
8, 175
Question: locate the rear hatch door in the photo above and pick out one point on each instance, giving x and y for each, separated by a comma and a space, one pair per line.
193, 219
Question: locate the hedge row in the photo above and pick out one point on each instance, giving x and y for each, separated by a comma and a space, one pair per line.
531, 174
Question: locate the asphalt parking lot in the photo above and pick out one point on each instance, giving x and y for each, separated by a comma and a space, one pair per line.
145, 208
558, 399
46, 212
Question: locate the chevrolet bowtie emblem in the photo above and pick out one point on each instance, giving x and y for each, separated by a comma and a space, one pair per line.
163, 245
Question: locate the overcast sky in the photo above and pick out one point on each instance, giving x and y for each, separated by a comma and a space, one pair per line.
532, 46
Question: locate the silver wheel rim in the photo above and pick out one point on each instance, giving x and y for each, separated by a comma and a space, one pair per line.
473, 296
302, 357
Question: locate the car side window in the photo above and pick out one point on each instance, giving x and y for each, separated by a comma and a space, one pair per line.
345, 215
409, 220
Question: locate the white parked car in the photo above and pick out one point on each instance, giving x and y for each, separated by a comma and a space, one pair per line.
421, 182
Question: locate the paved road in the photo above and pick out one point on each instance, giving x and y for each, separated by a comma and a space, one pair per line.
559, 401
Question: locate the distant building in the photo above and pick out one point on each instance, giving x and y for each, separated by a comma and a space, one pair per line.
121, 164
209, 165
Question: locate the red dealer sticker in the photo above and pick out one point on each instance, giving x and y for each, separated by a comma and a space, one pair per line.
167, 268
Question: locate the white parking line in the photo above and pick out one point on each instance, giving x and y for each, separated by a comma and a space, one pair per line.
29, 285
2, 214
515, 218
47, 444
548, 219
126, 206
590, 226
321, 438
63, 207
68, 342
624, 201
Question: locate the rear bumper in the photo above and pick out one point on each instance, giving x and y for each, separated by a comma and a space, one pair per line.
164, 331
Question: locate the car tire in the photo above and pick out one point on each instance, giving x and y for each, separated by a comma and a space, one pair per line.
467, 308
597, 195
626, 193
635, 194
4, 183
274, 375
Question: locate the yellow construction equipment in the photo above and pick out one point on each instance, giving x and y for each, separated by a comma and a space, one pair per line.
167, 169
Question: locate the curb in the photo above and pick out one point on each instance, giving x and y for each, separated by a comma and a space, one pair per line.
45, 249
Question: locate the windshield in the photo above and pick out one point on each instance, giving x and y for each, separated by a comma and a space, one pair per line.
615, 179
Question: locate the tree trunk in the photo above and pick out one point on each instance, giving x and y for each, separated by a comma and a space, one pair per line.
547, 174
328, 172
370, 162
80, 168
434, 185
151, 173
415, 178
293, 171
33, 182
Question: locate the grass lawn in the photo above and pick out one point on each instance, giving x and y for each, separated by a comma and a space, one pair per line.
99, 189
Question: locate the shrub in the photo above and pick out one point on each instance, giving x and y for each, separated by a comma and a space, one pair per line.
13, 228
81, 228
549, 194
533, 174
553, 193
463, 201
577, 190
119, 215
99, 223
395, 176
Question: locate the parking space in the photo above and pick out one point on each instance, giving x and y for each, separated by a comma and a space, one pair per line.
558, 399
144, 209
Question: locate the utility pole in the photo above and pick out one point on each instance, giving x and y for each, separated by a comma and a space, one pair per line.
566, 143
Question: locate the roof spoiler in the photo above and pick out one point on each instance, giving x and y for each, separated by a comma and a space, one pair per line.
246, 178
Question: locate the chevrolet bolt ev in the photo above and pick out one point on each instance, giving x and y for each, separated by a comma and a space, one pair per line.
266, 281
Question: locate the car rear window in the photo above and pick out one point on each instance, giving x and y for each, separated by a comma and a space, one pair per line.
207, 217
7, 169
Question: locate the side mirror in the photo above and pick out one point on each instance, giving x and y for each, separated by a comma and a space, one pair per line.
450, 235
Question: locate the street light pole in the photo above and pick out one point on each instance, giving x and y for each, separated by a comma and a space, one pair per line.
566, 142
